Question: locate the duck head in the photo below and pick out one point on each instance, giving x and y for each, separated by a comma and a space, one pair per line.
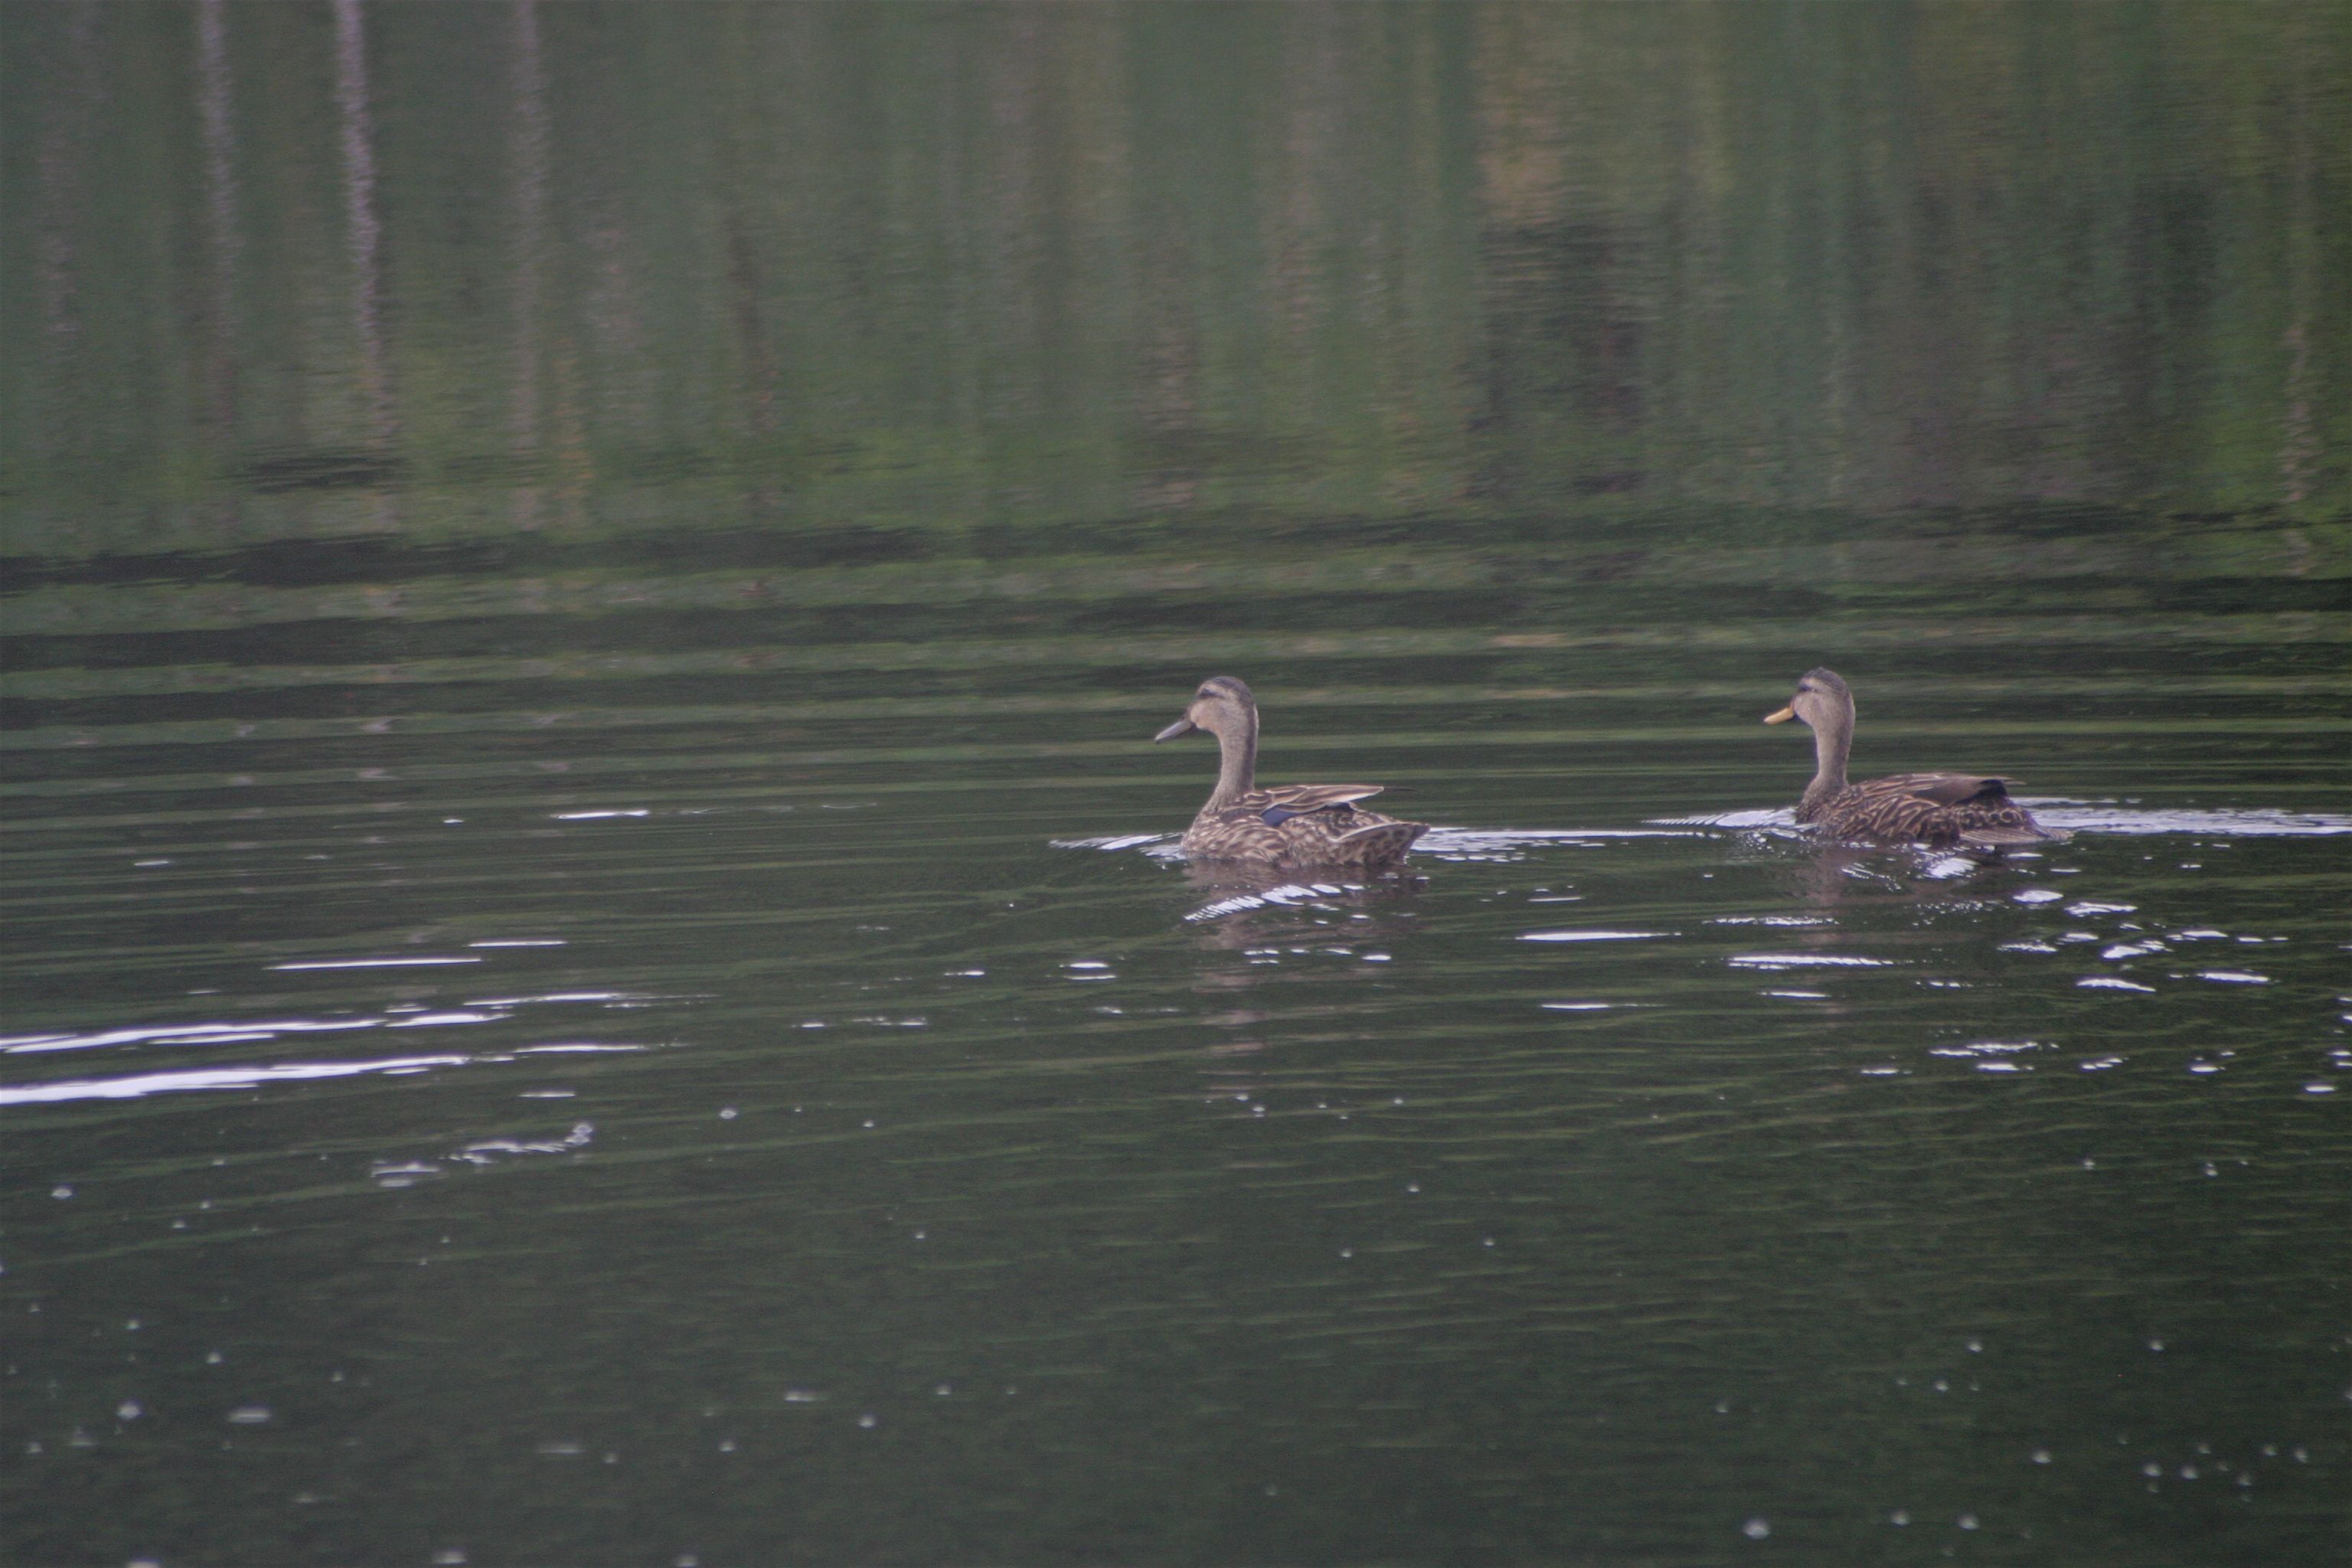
1224, 707
1821, 700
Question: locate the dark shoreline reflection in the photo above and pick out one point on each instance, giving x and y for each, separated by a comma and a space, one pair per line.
1482, 260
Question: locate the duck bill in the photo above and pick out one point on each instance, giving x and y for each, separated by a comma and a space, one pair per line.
1782, 717
1181, 727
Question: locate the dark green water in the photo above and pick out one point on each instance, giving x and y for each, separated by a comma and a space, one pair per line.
594, 969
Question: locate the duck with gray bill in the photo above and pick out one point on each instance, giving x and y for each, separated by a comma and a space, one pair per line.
1940, 810
1293, 824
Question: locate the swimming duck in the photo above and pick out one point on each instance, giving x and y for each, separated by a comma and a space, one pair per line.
1936, 809
1297, 825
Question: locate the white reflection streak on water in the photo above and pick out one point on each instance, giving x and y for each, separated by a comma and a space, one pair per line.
139, 1085
1286, 895
221, 1033
183, 1033
1595, 935
145, 1084
372, 963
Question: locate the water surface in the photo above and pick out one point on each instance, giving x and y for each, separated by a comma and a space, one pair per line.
596, 972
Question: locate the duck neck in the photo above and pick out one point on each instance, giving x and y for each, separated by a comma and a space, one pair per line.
1832, 740
1237, 766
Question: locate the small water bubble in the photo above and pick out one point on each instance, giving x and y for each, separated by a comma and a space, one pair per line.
869, 1421
1977, 1346
1413, 1186
687, 1560
248, 1415
1943, 1386
726, 1445
2151, 1470
1347, 1252
2155, 1344
943, 1390
61, 1191
1756, 1529
2188, 1473
2300, 1455
728, 1113
2089, 1164
129, 1410
2040, 1456
1398, 1100
868, 1121
1966, 1521
1488, 1242
1723, 1407
213, 1358
132, 1325
1257, 1110
449, 1557
922, 1236
1900, 1516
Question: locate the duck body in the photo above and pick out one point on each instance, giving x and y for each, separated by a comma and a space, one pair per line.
1293, 824
1939, 810
1936, 809
1302, 824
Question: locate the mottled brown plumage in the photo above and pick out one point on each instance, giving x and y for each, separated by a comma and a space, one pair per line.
1936, 809
1295, 824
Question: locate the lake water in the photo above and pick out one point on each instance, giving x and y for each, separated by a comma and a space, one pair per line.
595, 967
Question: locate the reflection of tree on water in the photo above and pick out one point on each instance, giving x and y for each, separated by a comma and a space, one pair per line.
366, 241
220, 230
1459, 257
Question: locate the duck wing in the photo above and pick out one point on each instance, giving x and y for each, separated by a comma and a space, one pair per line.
1278, 805
1943, 789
